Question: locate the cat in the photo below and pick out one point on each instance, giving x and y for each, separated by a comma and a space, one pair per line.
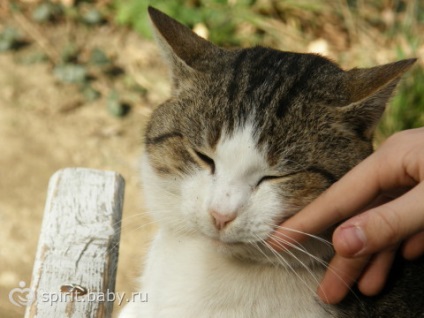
248, 138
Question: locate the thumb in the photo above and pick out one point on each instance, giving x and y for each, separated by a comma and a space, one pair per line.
383, 226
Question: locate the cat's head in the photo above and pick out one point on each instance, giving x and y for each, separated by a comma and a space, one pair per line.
250, 136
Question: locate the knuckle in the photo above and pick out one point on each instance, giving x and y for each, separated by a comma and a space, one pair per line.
388, 225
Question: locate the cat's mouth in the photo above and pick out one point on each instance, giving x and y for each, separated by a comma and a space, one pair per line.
251, 251
224, 238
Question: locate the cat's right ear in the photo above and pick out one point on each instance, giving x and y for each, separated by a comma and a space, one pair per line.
183, 49
368, 91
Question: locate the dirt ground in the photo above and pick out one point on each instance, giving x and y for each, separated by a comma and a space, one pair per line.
45, 126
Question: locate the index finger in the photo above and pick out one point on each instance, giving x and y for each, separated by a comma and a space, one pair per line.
343, 199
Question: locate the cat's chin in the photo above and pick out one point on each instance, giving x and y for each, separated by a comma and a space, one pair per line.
263, 254
239, 250
242, 251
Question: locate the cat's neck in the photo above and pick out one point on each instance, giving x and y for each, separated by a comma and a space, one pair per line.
204, 272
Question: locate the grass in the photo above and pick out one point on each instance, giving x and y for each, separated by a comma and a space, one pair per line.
355, 33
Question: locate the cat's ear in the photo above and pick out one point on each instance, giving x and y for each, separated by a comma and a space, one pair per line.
368, 91
183, 49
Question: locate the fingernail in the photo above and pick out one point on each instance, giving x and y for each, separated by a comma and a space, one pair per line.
352, 238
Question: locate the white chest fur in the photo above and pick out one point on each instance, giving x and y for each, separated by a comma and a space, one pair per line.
187, 277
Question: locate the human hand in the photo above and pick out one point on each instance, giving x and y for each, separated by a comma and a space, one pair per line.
381, 202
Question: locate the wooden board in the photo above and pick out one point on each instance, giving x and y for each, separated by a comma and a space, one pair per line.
78, 246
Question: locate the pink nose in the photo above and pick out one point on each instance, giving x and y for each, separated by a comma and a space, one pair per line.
221, 220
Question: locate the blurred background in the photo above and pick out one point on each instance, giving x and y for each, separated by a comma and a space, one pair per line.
79, 79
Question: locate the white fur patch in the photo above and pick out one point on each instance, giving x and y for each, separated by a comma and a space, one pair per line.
232, 189
239, 167
188, 275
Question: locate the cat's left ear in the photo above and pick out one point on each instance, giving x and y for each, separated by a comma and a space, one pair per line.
184, 50
368, 91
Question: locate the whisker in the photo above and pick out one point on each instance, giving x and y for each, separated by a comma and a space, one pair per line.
114, 246
256, 246
318, 238
319, 260
299, 248
280, 257
179, 226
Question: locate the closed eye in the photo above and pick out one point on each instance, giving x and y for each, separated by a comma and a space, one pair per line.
268, 178
312, 169
206, 160
276, 178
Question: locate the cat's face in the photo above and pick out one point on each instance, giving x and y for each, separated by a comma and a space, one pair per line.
251, 136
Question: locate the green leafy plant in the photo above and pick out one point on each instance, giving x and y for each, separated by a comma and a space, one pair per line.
10, 39
47, 12
358, 33
218, 16
407, 107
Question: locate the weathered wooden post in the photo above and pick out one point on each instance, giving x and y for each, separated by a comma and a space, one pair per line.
76, 261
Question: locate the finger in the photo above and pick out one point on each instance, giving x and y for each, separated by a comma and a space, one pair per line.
383, 226
340, 276
375, 274
328, 209
383, 171
414, 246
